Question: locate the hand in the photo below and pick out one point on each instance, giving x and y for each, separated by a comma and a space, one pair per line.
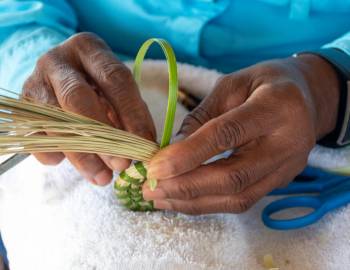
82, 75
271, 114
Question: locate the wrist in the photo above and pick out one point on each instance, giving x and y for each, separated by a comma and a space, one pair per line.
323, 85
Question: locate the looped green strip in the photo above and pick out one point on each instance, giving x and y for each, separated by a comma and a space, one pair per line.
173, 83
128, 186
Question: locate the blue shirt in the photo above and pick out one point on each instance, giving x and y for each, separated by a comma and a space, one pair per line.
222, 34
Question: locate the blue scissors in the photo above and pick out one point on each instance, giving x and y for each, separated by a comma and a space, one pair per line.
332, 191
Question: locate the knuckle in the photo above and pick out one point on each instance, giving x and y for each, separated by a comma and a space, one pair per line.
43, 62
41, 95
228, 205
237, 180
196, 118
238, 204
37, 90
68, 82
294, 99
224, 82
227, 134
187, 191
237, 82
244, 203
48, 60
114, 71
81, 38
86, 43
224, 86
68, 86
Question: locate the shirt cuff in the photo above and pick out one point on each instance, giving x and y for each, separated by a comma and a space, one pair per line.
333, 159
342, 43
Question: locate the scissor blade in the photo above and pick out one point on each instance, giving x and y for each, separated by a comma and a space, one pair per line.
11, 162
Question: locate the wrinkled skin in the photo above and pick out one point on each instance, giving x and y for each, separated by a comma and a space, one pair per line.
83, 75
271, 113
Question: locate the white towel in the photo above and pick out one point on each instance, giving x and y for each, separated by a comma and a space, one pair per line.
51, 219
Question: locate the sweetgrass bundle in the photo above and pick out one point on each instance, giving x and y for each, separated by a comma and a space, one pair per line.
24, 122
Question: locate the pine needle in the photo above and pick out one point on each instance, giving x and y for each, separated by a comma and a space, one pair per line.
29, 127
23, 123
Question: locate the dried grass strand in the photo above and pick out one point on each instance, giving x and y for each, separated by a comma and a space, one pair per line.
22, 123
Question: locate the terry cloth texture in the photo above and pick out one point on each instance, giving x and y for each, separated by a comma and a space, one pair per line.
50, 218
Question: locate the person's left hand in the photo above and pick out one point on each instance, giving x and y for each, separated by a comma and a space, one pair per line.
271, 114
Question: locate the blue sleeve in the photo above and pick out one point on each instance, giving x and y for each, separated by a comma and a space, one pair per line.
342, 43
27, 30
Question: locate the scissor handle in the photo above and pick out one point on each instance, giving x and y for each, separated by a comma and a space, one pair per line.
291, 202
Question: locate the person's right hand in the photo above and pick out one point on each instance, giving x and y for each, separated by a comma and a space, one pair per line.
82, 75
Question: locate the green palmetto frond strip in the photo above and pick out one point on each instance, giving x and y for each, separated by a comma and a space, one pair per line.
24, 125
128, 186
173, 83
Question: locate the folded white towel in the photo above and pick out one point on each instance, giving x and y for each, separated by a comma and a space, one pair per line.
52, 219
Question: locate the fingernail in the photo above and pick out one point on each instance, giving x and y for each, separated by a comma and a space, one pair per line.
150, 195
103, 177
155, 169
162, 204
161, 169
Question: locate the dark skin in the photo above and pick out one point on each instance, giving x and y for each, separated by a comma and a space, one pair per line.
83, 75
272, 114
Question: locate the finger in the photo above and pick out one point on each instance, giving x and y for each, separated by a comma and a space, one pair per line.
234, 203
223, 177
115, 163
49, 158
116, 82
229, 92
75, 94
91, 167
111, 113
230, 130
36, 89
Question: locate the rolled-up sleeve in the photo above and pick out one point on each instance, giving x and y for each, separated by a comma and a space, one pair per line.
342, 43
333, 159
27, 30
